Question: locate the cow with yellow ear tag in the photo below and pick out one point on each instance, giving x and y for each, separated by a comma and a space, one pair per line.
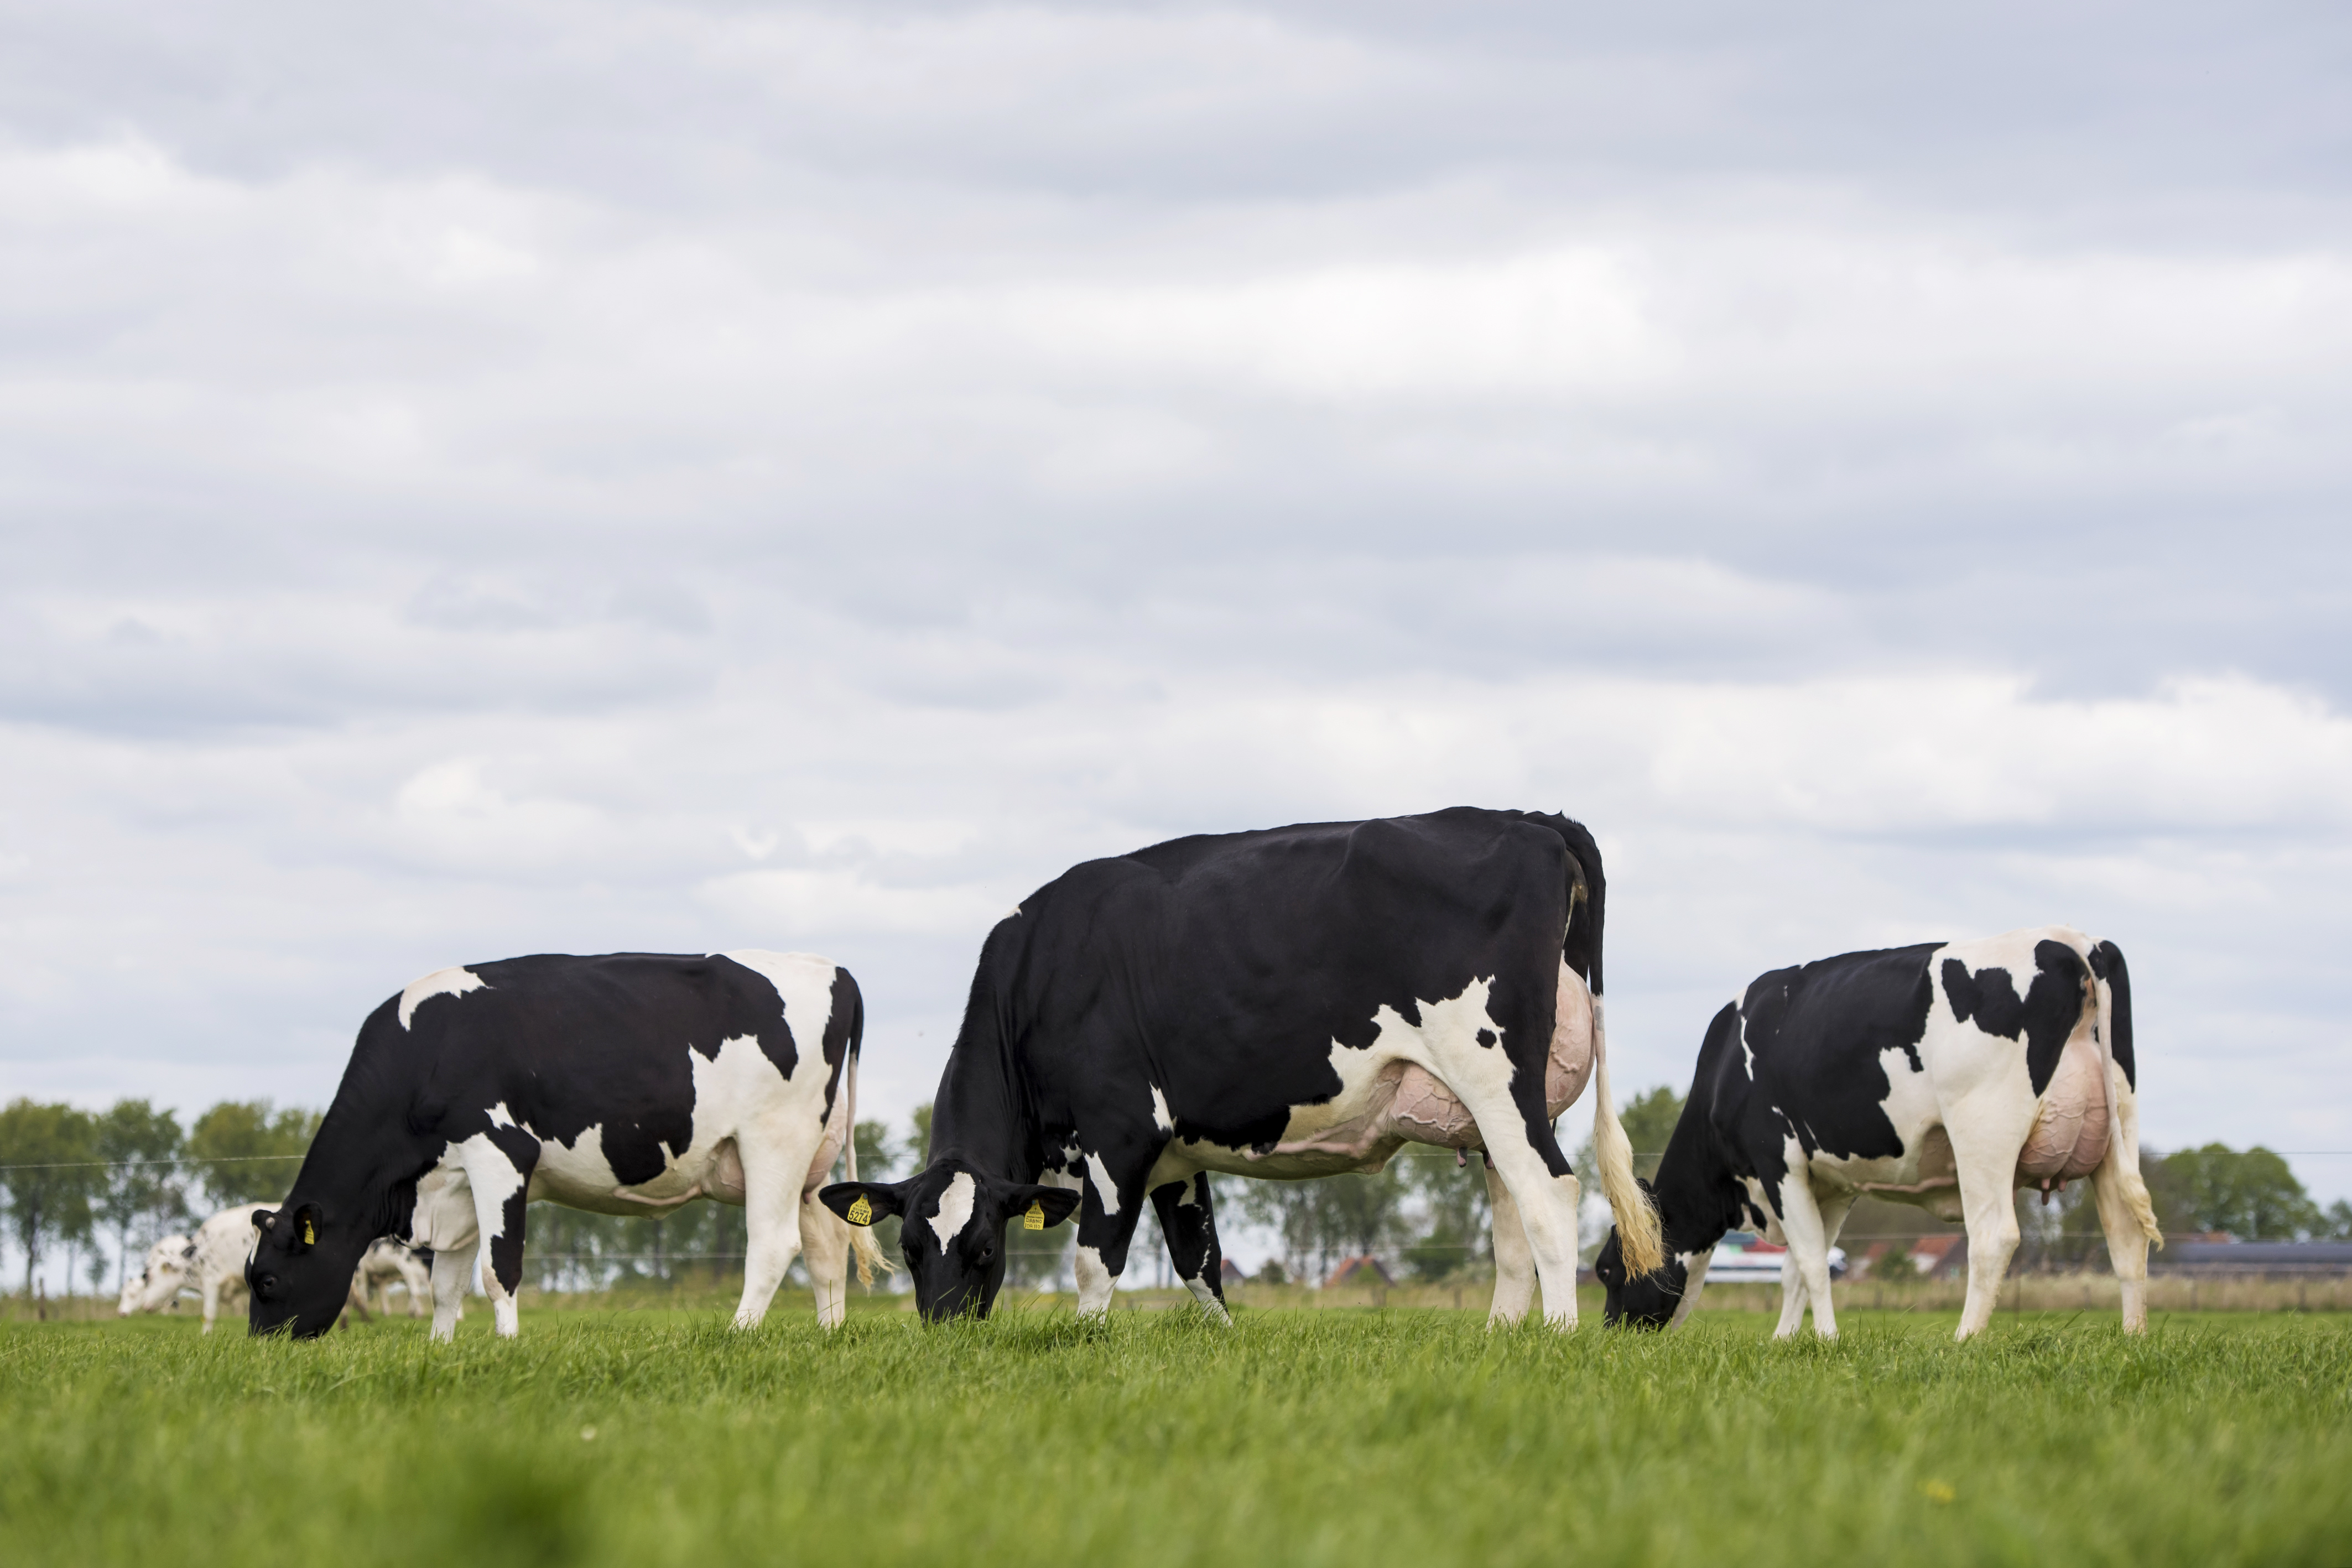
630, 1084
952, 1231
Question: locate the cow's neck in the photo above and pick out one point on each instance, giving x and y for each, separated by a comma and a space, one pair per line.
361, 1169
1699, 1197
982, 1113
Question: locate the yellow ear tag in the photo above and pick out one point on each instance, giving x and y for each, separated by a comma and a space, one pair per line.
861, 1212
1035, 1219
310, 1237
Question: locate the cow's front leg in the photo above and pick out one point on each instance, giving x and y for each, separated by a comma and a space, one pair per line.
1807, 1232
1190, 1225
1795, 1293
213, 1281
498, 1168
1515, 1262
1108, 1212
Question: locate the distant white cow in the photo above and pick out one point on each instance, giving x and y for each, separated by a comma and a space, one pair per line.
213, 1264
384, 1265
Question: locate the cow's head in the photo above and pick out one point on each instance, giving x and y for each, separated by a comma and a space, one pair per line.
951, 1229
301, 1269
157, 1286
1644, 1301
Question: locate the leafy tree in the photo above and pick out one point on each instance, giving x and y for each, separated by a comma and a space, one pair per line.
1649, 1121
248, 1152
918, 1146
1323, 1220
47, 1155
1454, 1214
2252, 1196
2338, 1220
878, 1152
142, 1191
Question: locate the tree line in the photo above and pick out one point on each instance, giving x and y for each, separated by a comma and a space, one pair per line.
90, 1184
75, 1180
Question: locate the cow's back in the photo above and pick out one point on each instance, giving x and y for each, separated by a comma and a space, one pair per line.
1235, 962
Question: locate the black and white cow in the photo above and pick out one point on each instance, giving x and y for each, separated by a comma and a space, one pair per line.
212, 1263
1944, 1076
1289, 1004
624, 1085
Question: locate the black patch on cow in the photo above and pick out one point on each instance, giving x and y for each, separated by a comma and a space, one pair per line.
2044, 1016
1191, 1231
2107, 963
1222, 969
523, 1151
845, 1027
1485, 1037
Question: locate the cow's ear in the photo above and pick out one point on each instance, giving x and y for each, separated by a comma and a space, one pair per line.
864, 1202
306, 1223
1040, 1206
264, 1218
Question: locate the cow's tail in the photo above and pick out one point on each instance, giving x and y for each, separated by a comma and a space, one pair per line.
1613, 1152
2114, 993
862, 1245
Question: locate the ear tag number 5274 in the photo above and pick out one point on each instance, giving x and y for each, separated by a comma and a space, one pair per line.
861, 1212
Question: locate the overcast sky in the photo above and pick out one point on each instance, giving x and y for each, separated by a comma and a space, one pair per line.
495, 478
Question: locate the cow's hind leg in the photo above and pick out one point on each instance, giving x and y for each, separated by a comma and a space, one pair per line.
2124, 1213
1986, 1158
774, 1175
1515, 1262
453, 1262
1190, 1224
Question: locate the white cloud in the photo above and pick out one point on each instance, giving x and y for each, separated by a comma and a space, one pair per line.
664, 478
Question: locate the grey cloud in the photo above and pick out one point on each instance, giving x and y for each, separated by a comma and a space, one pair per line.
481, 479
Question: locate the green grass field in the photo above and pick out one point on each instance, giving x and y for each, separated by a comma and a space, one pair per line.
1341, 1437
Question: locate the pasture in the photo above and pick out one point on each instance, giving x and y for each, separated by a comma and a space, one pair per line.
655, 1437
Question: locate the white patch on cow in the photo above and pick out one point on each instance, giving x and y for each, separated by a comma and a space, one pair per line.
1695, 1276
451, 982
500, 1116
1746, 1051
1159, 1116
954, 1211
1105, 1190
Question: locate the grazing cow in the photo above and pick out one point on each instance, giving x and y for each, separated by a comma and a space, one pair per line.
1941, 1076
1287, 1004
156, 1287
629, 1083
387, 1263
212, 1263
